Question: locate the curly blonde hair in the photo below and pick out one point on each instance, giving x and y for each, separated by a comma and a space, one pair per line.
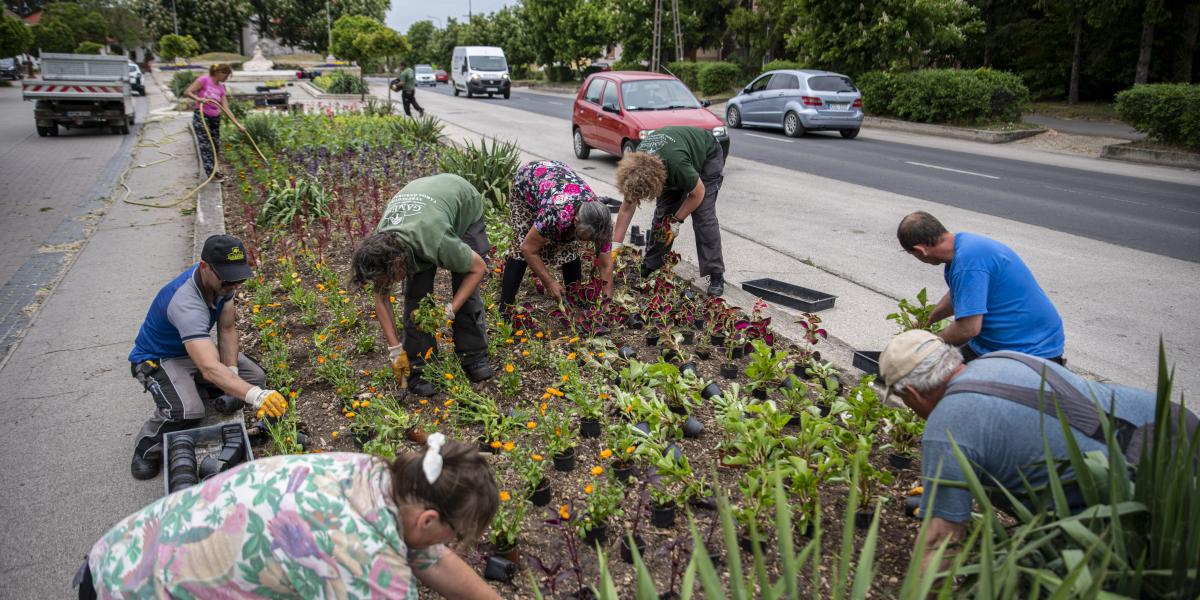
640, 175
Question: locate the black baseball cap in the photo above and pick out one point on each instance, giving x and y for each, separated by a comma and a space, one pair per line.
227, 256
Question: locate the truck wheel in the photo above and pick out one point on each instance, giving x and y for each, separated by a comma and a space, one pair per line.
469, 93
124, 129
43, 131
507, 94
455, 90
53, 129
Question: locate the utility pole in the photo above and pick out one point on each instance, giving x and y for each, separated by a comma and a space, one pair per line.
657, 41
175, 16
329, 28
678, 34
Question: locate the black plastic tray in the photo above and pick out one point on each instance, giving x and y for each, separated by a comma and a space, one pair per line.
207, 438
787, 294
867, 361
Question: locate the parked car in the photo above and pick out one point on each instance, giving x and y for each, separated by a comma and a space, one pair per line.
798, 102
440, 76
425, 75
614, 110
135, 79
479, 70
9, 69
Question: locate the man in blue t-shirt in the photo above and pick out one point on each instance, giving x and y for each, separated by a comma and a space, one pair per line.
995, 300
174, 350
1002, 438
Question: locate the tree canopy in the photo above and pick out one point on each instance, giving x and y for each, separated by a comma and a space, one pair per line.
15, 37
173, 46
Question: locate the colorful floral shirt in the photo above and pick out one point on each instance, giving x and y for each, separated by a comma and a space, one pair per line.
553, 192
312, 526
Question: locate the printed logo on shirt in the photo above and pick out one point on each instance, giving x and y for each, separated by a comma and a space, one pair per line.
654, 142
403, 206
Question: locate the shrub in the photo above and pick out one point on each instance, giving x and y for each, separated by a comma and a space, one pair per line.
173, 46
687, 72
489, 169
1167, 112
958, 97
261, 128
181, 80
781, 64
340, 82
629, 65
718, 77
86, 47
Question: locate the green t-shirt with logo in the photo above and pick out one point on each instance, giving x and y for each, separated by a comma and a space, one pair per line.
683, 151
408, 80
431, 214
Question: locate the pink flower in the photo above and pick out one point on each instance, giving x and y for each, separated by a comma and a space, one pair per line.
545, 185
538, 172
571, 189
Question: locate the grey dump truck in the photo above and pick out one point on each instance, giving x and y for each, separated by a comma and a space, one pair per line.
81, 90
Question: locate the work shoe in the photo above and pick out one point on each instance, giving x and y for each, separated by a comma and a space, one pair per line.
716, 284
417, 385
422, 112
479, 371
145, 468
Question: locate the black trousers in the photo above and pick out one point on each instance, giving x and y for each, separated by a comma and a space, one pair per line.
470, 324
409, 98
704, 221
514, 274
208, 152
970, 355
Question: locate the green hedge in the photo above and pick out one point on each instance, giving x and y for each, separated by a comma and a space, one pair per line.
181, 80
1167, 112
951, 96
341, 82
708, 78
628, 65
687, 72
778, 64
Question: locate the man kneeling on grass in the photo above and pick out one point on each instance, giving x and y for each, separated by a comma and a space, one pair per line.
992, 408
433, 222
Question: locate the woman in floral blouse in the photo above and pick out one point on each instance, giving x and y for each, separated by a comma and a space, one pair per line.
334, 525
552, 213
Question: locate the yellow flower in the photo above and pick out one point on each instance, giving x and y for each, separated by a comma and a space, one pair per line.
295, 275
270, 321
599, 355
630, 450
355, 404
293, 395
424, 401
565, 512
597, 471
448, 402
546, 396
603, 396
366, 404
508, 368
531, 425
519, 332
449, 377
320, 337
606, 453
320, 287
538, 335
350, 415
554, 392
428, 353
508, 341
495, 444
523, 340
334, 435
565, 379
392, 299
587, 489
504, 496
256, 309
524, 353
508, 446
573, 340
537, 458
320, 360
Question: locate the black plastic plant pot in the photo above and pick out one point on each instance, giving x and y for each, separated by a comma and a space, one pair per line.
635, 322
668, 596
589, 428
703, 353
499, 569
689, 336
565, 461
862, 519
798, 370
598, 534
209, 466
729, 371
626, 353
900, 461
867, 361
794, 421
692, 428
643, 427
688, 367
705, 503
747, 543
541, 495
627, 552
362, 436
674, 451
227, 404
698, 323
623, 470
759, 393
652, 339
663, 516
678, 409
710, 391
669, 355
716, 340
737, 351
824, 408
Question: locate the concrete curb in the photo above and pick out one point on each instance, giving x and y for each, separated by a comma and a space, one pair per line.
210, 206
962, 133
317, 94
1168, 158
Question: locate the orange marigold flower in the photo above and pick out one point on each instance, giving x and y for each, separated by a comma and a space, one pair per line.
523, 340
293, 395
508, 368
524, 353
350, 415
531, 425
606, 453
630, 449
565, 379
424, 401
519, 332
428, 353
504, 496
495, 444
508, 341
573, 340
320, 360
564, 511
448, 402
597, 471
546, 396
539, 335
587, 489
508, 446
449, 376
366, 403
334, 435
536, 458
554, 392
355, 404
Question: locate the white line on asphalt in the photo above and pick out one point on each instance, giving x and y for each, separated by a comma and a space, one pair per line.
773, 139
1125, 200
553, 102
949, 169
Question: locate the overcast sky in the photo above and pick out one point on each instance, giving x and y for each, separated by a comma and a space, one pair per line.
407, 12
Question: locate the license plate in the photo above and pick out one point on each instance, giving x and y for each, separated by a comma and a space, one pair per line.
78, 113
838, 106
493, 89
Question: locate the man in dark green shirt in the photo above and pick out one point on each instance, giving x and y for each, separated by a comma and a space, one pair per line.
406, 84
433, 222
683, 168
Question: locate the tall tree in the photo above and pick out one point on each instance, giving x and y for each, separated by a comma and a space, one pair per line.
759, 28
420, 38
1191, 28
215, 24
15, 37
88, 25
53, 35
365, 39
1151, 13
305, 23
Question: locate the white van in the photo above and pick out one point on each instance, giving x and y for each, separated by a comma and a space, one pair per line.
479, 70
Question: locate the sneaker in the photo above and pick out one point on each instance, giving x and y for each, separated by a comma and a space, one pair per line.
422, 112
420, 387
145, 468
477, 372
716, 284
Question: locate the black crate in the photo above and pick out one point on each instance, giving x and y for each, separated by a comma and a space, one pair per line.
867, 361
208, 441
787, 294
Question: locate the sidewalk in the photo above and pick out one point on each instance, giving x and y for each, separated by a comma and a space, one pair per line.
73, 407
1084, 127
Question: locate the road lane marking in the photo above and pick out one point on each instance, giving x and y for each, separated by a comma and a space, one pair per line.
949, 169
773, 139
1125, 200
555, 103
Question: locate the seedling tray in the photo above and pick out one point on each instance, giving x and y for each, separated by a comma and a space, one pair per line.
208, 441
867, 361
787, 294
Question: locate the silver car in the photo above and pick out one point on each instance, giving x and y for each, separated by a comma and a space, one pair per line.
798, 102
425, 75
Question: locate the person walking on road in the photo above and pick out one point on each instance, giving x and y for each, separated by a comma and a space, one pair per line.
553, 213
406, 84
173, 351
433, 222
334, 525
209, 94
683, 168
994, 411
995, 300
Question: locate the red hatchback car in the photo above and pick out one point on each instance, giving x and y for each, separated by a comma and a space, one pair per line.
614, 110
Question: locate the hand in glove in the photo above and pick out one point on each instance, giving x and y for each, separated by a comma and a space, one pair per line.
400, 367
449, 312
616, 249
668, 230
267, 402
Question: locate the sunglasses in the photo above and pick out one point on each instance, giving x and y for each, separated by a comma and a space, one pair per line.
225, 285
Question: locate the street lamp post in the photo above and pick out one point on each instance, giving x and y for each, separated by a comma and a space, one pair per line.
175, 17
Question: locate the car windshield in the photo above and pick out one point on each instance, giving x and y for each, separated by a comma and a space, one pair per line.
831, 83
488, 63
657, 94
424, 69
6, 62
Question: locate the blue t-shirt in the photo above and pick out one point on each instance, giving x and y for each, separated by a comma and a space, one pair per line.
1003, 439
179, 313
988, 278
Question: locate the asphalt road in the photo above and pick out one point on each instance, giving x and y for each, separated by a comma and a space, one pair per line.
1153, 216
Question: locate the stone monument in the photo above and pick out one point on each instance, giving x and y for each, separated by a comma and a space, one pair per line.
258, 63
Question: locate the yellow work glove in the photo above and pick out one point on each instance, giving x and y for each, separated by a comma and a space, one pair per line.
668, 230
616, 249
400, 367
267, 402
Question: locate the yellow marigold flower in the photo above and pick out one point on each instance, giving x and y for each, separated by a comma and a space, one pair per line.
504, 496
587, 489
524, 353
270, 321
543, 406
320, 360
554, 392
295, 274
523, 340
546, 396
428, 353
448, 402
531, 425
392, 299
508, 341
606, 453
519, 332
564, 511
449, 376
366, 404
424, 401
508, 446
603, 396
539, 335
565, 379
600, 355
630, 449
320, 287
508, 368
334, 435
293, 395
350, 415
495, 444
597, 471
355, 404
256, 309
537, 458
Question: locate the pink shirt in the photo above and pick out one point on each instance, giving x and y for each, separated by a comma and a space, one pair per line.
210, 89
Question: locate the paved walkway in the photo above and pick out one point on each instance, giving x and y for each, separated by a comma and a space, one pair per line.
1084, 127
70, 407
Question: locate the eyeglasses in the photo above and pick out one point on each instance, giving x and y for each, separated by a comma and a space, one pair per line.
225, 285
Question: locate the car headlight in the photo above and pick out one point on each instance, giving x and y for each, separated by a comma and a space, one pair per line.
642, 133
504, 76
719, 131
474, 76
